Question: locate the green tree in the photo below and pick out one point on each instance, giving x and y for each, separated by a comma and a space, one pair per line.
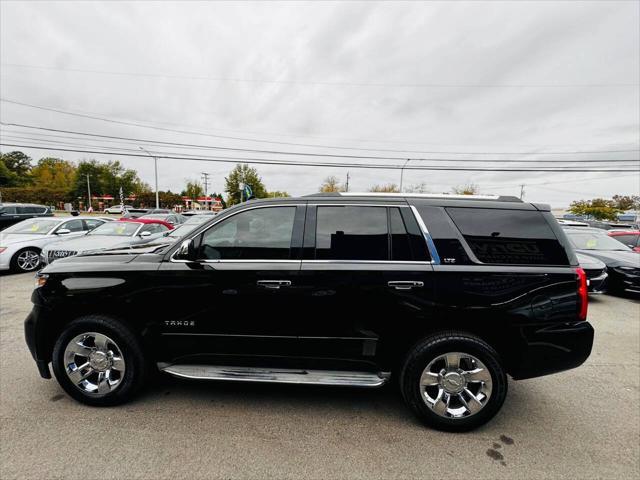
243, 173
54, 173
106, 179
193, 190
7, 177
19, 164
221, 197
331, 184
627, 202
598, 208
278, 194
388, 188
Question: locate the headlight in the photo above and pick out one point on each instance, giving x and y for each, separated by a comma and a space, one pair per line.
2, 249
41, 279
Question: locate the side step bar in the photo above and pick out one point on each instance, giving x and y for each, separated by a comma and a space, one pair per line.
276, 375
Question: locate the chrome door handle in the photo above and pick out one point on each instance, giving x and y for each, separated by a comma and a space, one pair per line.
274, 284
405, 284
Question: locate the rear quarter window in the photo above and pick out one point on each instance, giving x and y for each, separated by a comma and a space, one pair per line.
515, 237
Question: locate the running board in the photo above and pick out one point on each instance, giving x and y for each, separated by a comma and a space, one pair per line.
276, 375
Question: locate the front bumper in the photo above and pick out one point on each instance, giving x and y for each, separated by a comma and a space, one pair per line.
551, 349
597, 284
38, 340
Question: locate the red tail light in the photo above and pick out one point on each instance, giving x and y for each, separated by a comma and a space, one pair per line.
583, 296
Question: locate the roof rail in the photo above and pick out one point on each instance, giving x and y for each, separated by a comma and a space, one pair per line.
500, 198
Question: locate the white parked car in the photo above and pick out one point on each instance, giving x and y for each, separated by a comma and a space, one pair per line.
118, 209
21, 244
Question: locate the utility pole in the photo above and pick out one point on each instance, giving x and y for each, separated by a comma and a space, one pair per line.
402, 173
155, 165
522, 191
205, 182
89, 192
346, 189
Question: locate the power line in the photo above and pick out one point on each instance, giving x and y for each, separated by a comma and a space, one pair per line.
164, 154
309, 154
323, 82
246, 139
324, 164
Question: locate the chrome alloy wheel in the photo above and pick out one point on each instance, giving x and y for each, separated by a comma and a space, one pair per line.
28, 260
94, 363
456, 385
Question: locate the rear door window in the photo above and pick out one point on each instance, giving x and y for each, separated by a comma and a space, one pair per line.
73, 226
352, 233
518, 237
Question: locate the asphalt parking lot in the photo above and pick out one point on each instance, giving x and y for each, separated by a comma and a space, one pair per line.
578, 424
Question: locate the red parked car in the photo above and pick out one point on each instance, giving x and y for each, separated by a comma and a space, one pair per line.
148, 220
631, 238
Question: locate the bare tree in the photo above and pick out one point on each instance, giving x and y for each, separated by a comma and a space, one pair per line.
469, 189
331, 184
387, 188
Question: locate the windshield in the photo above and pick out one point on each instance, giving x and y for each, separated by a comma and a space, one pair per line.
594, 241
181, 231
198, 219
35, 226
116, 229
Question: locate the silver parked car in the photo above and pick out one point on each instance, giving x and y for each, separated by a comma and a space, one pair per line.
21, 244
116, 234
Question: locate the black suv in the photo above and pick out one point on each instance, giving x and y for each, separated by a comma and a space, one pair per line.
446, 295
12, 213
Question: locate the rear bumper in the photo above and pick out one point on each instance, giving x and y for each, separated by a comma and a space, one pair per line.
552, 349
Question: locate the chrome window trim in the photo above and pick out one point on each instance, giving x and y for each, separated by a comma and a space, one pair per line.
435, 258
358, 204
382, 262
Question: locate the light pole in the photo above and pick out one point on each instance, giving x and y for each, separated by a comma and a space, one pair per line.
89, 193
155, 166
402, 173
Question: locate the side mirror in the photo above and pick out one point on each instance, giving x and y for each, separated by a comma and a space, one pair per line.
145, 234
63, 231
187, 251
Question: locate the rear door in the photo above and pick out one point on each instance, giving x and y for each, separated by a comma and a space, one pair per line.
366, 273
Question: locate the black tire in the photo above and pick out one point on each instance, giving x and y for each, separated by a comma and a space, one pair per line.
135, 372
14, 265
428, 350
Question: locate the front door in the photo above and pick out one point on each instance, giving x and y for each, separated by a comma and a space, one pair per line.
238, 304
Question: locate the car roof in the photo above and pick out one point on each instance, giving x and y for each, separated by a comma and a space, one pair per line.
614, 233
142, 220
10, 204
584, 229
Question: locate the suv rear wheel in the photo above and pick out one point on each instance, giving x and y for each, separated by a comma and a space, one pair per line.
98, 361
453, 381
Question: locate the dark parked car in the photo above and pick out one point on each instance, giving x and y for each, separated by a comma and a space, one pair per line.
448, 295
630, 238
12, 213
623, 264
596, 272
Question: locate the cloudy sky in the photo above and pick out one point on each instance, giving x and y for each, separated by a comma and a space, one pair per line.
494, 80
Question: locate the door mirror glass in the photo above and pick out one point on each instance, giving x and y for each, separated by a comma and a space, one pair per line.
63, 231
186, 251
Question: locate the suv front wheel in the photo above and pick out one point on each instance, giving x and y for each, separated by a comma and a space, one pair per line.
453, 381
98, 361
